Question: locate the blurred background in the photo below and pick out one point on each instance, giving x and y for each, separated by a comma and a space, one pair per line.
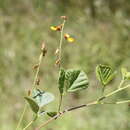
101, 29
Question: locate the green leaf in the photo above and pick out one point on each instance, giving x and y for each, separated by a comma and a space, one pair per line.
125, 74
61, 80
51, 114
76, 80
42, 98
34, 106
104, 74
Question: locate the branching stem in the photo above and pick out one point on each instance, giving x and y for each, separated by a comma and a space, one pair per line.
98, 101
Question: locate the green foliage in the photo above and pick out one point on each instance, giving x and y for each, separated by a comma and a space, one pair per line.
51, 114
38, 99
34, 106
76, 80
104, 74
61, 80
125, 74
42, 98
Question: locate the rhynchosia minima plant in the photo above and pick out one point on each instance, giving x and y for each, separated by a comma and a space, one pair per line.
69, 81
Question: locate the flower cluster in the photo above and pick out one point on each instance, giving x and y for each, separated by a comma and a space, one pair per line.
59, 28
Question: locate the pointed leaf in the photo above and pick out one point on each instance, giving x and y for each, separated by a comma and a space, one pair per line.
34, 106
104, 74
76, 80
61, 80
42, 98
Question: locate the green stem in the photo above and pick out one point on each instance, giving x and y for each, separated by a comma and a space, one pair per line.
38, 69
60, 58
125, 101
60, 102
29, 124
116, 91
65, 111
33, 86
21, 117
121, 83
112, 93
61, 41
119, 102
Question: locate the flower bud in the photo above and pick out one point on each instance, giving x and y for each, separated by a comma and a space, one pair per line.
64, 17
57, 51
44, 49
38, 81
57, 62
35, 66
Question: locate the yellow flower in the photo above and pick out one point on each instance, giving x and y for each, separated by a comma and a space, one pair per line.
53, 28
68, 38
56, 28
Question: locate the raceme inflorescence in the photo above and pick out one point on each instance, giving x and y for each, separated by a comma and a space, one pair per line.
69, 81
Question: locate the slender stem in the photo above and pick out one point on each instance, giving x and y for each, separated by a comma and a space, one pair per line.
60, 102
116, 91
21, 117
112, 93
28, 125
61, 41
78, 107
125, 101
121, 83
86, 105
37, 72
63, 112
33, 86
60, 58
119, 102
